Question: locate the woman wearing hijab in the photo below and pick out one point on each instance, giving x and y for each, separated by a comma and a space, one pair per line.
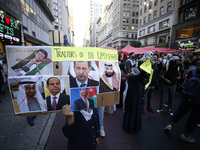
82, 128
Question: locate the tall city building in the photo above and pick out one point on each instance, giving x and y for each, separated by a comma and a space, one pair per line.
36, 22
122, 24
156, 18
61, 35
96, 7
186, 29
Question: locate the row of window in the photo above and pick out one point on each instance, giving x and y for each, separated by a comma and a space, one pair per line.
187, 14
28, 11
169, 8
127, 13
155, 2
151, 29
126, 27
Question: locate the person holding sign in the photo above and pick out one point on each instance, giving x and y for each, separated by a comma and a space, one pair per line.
82, 128
82, 69
83, 103
56, 99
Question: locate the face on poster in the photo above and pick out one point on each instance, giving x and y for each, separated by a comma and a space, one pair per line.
29, 60
83, 98
109, 76
83, 73
27, 94
56, 92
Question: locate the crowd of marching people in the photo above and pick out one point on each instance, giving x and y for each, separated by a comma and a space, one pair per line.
171, 75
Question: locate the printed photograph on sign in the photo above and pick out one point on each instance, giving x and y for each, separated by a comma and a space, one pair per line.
83, 98
56, 92
29, 60
82, 73
109, 76
27, 94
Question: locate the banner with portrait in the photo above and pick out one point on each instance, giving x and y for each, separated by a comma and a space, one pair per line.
62, 75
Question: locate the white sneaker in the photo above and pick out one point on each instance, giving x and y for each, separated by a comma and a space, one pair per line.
102, 132
168, 128
198, 125
187, 139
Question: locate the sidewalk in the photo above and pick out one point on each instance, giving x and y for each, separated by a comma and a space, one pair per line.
17, 134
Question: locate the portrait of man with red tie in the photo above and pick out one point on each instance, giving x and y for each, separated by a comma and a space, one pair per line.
84, 103
56, 99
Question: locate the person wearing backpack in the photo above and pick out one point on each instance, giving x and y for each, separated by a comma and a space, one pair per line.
190, 102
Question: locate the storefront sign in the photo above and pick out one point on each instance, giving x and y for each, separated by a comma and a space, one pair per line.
195, 38
183, 45
9, 28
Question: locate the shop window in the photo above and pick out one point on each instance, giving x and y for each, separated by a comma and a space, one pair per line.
151, 29
162, 39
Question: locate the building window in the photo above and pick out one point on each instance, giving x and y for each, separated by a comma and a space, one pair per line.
123, 27
161, 10
145, 20
133, 28
150, 5
161, 0
133, 14
190, 13
155, 2
124, 13
140, 12
128, 13
128, 5
127, 20
136, 14
124, 20
136, 21
149, 17
142, 32
133, 21
145, 8
140, 21
137, 8
169, 6
151, 29
124, 5
141, 2
164, 24
162, 39
127, 27
155, 14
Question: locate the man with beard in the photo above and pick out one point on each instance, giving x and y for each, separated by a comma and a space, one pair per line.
82, 69
109, 81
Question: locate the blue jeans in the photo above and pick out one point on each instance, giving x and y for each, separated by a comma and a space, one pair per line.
101, 115
164, 91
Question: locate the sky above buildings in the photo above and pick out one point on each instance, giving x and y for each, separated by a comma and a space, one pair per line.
81, 11
81, 14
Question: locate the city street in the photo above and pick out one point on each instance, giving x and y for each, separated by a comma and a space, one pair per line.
16, 134
152, 136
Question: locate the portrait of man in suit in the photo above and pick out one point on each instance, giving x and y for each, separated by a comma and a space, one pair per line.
56, 99
83, 103
82, 70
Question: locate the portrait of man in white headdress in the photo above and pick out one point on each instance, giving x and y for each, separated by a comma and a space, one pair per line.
110, 79
29, 98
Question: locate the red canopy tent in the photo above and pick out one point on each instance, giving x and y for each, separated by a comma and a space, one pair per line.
142, 50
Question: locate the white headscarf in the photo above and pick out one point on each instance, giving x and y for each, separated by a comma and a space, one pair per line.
22, 100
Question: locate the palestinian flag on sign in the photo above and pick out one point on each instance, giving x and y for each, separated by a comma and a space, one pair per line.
92, 94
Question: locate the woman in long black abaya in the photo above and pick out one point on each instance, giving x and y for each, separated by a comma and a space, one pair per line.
132, 120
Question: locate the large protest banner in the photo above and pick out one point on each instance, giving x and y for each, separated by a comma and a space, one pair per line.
43, 78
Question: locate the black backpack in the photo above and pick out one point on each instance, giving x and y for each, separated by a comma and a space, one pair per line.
192, 88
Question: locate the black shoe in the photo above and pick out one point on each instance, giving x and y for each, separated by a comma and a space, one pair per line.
31, 124
150, 109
